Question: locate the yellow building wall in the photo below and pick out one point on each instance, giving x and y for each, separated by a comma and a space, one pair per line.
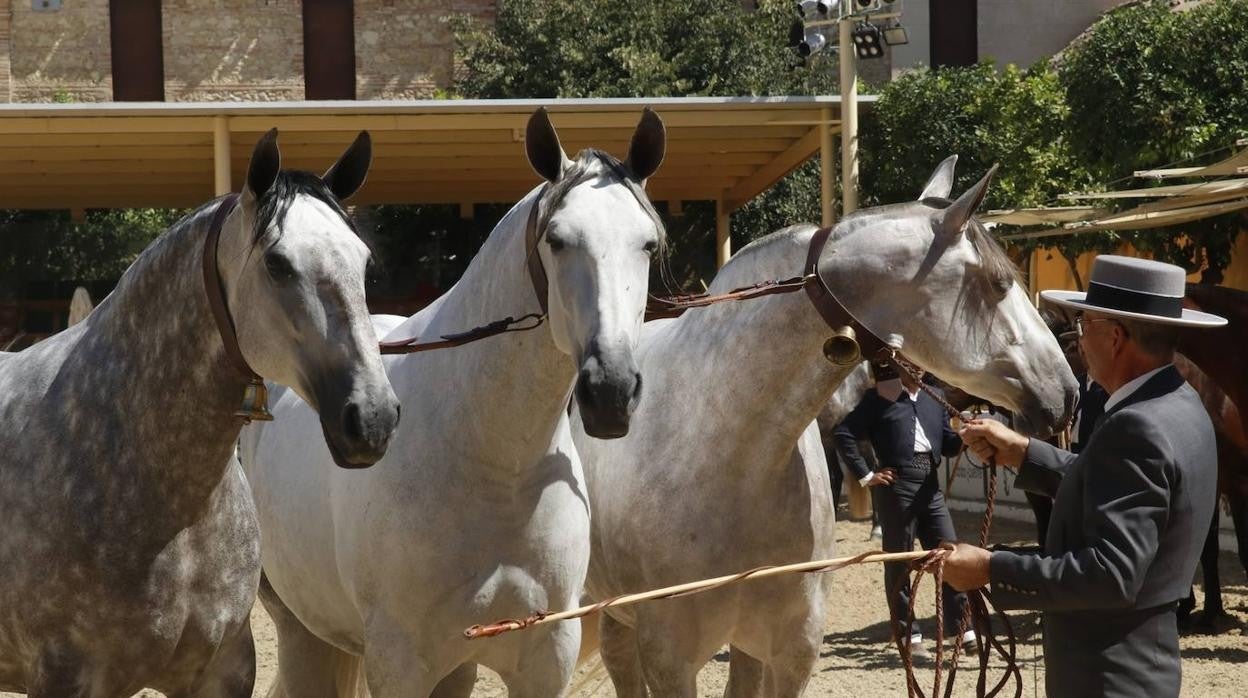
1049, 270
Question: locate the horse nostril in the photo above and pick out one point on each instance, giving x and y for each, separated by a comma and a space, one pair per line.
352, 425
636, 388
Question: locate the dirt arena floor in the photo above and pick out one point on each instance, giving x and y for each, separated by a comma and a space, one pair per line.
858, 659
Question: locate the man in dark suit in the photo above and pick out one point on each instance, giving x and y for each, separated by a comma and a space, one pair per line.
1131, 511
908, 431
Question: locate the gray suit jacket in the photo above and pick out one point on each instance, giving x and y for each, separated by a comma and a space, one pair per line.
1130, 517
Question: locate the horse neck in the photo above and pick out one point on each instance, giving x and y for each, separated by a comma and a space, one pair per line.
764, 359
510, 389
167, 386
1211, 349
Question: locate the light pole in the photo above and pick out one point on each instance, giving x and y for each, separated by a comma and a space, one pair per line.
856, 38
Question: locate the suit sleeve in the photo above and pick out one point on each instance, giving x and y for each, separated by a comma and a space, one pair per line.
1043, 468
846, 436
1126, 491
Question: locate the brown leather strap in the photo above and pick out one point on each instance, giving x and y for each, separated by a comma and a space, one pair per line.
216, 294
659, 307
831, 309
537, 273
413, 345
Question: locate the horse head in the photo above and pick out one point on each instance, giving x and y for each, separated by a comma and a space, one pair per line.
597, 234
927, 278
293, 267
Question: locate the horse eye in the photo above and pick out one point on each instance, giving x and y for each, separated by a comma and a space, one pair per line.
555, 243
651, 247
278, 266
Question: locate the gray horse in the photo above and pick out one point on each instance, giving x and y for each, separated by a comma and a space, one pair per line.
129, 552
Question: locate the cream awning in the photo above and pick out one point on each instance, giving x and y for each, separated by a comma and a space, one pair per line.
79, 156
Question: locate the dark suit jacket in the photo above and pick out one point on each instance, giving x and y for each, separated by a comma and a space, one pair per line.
890, 428
1092, 399
1131, 513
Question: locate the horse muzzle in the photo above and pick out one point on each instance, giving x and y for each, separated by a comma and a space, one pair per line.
608, 388
359, 433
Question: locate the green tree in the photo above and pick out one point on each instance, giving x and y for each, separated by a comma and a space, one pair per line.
652, 48
1148, 87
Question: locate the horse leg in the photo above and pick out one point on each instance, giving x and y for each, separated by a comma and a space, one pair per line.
457, 684
618, 647
306, 665
1239, 516
745, 675
546, 665
232, 673
670, 669
1209, 570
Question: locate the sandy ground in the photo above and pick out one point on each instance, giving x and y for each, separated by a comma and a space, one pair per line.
858, 660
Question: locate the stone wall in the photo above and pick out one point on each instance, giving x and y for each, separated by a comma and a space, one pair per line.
58, 55
219, 50
404, 48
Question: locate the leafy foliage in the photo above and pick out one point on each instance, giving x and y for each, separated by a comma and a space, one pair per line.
48, 245
1148, 87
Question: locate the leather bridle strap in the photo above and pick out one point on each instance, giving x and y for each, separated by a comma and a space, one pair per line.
831, 309
533, 258
216, 293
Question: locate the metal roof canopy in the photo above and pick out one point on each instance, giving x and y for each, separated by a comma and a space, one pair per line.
175, 155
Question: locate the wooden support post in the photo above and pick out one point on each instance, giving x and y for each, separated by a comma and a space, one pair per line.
723, 237
466, 210
827, 163
221, 155
849, 120
676, 207
78, 215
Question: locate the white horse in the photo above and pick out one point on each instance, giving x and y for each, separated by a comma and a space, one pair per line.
479, 509
129, 553
708, 482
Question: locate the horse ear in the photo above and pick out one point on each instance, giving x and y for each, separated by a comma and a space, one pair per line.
952, 221
541, 144
645, 152
940, 184
347, 175
266, 162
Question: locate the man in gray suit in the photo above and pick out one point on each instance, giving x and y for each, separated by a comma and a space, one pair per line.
1132, 509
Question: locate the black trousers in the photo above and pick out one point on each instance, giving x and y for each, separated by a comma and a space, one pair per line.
914, 506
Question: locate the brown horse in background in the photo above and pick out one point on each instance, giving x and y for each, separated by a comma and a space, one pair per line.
1210, 363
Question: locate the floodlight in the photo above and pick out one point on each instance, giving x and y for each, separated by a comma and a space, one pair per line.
812, 43
868, 43
896, 35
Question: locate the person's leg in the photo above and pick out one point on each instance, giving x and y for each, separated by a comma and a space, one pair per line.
934, 525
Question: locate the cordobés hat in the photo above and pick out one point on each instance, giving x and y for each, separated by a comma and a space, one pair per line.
1136, 289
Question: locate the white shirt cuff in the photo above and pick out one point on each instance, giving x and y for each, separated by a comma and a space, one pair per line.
865, 480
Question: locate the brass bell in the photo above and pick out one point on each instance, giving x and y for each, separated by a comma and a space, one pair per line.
255, 403
842, 347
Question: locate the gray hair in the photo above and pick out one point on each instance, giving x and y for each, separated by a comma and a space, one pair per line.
1153, 338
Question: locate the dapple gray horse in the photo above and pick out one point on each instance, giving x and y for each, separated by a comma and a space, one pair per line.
479, 510
708, 481
129, 552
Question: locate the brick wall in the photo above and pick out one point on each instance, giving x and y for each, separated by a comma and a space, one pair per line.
218, 50
60, 54
404, 48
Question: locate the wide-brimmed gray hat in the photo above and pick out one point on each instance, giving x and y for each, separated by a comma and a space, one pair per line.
1136, 289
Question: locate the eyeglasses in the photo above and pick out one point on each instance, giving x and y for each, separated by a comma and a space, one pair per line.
1080, 321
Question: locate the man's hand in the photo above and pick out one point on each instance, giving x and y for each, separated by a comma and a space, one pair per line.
883, 476
966, 567
988, 439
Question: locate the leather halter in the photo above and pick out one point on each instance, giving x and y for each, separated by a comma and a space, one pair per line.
255, 395
533, 258
833, 312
